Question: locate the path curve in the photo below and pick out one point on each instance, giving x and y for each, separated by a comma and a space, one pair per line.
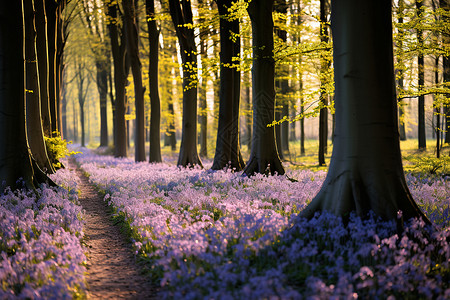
112, 269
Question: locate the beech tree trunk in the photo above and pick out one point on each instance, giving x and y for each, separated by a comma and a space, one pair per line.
401, 103
181, 14
155, 110
102, 87
33, 101
324, 66
366, 171
118, 47
445, 5
15, 159
264, 154
42, 57
228, 153
421, 80
133, 52
51, 8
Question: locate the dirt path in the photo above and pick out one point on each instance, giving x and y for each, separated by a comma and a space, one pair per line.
112, 269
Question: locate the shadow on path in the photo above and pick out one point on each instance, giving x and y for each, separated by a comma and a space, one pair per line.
112, 269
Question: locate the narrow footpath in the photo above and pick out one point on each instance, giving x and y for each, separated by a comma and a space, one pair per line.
112, 269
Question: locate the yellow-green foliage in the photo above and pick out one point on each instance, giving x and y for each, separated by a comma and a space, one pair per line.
57, 149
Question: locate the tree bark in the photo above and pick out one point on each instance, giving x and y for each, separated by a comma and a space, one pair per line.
181, 14
15, 162
155, 110
366, 171
133, 52
324, 66
228, 153
401, 34
42, 56
51, 8
120, 74
421, 80
102, 87
445, 5
33, 101
264, 155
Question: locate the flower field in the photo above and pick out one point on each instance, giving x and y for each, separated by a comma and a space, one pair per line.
218, 235
41, 256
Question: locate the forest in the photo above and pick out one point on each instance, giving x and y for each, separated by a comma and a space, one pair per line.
225, 149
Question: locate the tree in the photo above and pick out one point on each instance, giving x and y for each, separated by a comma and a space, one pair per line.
155, 117
421, 78
366, 171
16, 164
282, 99
400, 75
445, 7
181, 13
82, 89
228, 153
42, 56
118, 47
264, 154
325, 64
33, 100
133, 52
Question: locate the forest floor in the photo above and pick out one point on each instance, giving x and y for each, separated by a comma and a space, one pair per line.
113, 272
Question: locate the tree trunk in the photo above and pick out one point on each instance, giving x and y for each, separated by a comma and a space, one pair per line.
120, 74
401, 103
102, 87
181, 14
324, 66
445, 5
15, 162
33, 101
264, 155
366, 171
421, 80
133, 52
51, 8
155, 110
42, 56
282, 98
228, 153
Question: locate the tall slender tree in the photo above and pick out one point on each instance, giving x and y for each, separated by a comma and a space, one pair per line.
324, 67
136, 69
155, 110
33, 100
181, 13
228, 153
16, 165
118, 48
366, 171
421, 78
264, 154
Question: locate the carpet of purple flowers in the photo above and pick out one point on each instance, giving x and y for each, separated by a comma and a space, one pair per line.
41, 255
218, 235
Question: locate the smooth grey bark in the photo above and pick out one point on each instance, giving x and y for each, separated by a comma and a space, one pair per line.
264, 154
366, 171
102, 88
33, 100
118, 47
155, 110
15, 161
401, 34
228, 153
181, 14
136, 67
282, 100
421, 80
42, 56
51, 9
445, 5
324, 66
